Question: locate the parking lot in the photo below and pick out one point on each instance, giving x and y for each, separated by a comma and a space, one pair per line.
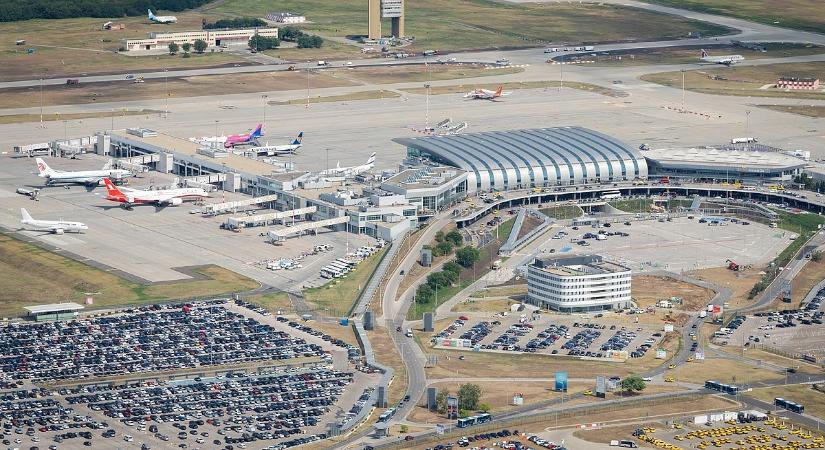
118, 238
680, 244
290, 381
548, 334
793, 331
773, 433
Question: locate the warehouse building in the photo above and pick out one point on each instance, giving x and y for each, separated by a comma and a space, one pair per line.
213, 38
578, 283
543, 157
756, 163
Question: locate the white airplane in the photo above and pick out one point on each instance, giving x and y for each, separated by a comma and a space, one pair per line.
339, 171
160, 197
52, 226
484, 94
286, 149
87, 177
162, 19
727, 60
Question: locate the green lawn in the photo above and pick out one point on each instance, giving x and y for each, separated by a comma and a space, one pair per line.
804, 224
31, 275
477, 24
801, 14
642, 205
504, 230
563, 212
802, 110
743, 80
337, 297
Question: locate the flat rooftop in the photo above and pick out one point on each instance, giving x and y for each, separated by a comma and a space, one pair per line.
578, 265
425, 177
53, 308
185, 147
711, 157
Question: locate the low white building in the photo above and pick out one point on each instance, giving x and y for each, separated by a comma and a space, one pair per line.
578, 283
287, 18
213, 38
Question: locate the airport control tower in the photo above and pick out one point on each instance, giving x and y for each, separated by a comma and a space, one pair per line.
386, 9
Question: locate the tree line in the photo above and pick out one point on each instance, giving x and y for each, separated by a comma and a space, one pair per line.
465, 257
238, 22
14, 10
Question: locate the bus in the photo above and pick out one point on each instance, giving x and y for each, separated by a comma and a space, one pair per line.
466, 422
714, 385
386, 415
609, 195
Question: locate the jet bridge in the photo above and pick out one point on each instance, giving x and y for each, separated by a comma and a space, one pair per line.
264, 219
220, 208
279, 236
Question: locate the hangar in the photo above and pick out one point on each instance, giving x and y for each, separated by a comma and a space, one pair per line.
541, 157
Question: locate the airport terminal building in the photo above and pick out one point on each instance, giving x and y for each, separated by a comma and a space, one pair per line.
542, 157
578, 283
754, 163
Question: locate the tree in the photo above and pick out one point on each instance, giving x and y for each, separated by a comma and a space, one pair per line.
290, 33
633, 383
259, 42
441, 401
437, 280
403, 429
451, 266
468, 395
238, 22
455, 238
450, 277
467, 256
444, 248
200, 45
186, 47
816, 256
439, 236
310, 41
424, 294
173, 48
484, 407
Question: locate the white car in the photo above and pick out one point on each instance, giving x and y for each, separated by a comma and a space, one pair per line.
128, 438
647, 379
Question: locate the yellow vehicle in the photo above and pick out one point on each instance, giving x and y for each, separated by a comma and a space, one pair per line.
670, 379
587, 392
672, 366
690, 359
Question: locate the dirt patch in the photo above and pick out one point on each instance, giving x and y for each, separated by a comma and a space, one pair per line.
492, 305
386, 354
530, 223
722, 370
648, 290
738, 282
206, 85
516, 289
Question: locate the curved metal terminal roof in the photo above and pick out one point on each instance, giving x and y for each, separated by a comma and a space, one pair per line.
533, 157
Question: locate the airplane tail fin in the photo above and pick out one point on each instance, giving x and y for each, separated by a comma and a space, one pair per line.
704, 54
258, 132
371, 160
499, 91
151, 16
43, 168
111, 189
298, 139
25, 214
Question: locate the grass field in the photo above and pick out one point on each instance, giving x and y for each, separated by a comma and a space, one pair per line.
31, 275
800, 14
813, 400
477, 24
477, 305
642, 205
722, 370
802, 110
803, 224
688, 55
337, 297
430, 72
551, 84
355, 96
503, 291
563, 212
278, 301
206, 85
22, 118
743, 80
67, 47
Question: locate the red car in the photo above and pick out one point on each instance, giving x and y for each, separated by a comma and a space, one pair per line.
463, 318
